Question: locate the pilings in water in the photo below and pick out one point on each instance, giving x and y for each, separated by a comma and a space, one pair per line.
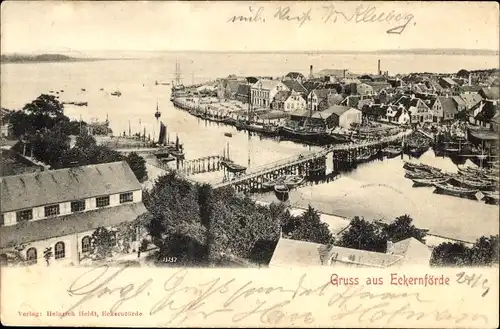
255, 183
201, 165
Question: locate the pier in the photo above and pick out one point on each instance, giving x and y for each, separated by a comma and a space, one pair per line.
308, 164
201, 165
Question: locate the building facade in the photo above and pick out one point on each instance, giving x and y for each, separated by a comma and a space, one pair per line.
55, 212
263, 92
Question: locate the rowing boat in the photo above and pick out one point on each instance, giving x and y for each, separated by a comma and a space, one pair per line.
428, 181
461, 192
293, 180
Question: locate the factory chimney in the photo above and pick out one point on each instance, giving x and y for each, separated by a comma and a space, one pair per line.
470, 79
310, 72
379, 72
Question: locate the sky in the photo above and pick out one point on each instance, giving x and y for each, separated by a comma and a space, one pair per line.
48, 26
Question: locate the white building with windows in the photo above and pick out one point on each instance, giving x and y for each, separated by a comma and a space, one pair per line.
263, 91
59, 210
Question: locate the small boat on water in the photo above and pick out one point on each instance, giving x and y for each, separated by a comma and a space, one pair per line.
461, 192
228, 134
231, 166
116, 93
281, 192
101, 89
392, 151
274, 182
292, 181
83, 89
417, 151
364, 156
418, 182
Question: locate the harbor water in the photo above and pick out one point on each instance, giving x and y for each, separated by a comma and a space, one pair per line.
375, 190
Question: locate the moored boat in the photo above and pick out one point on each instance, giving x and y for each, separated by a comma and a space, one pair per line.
417, 182
177, 153
392, 151
228, 134
470, 183
116, 93
292, 181
274, 182
281, 191
461, 192
364, 156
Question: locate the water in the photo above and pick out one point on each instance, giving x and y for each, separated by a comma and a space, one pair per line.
374, 190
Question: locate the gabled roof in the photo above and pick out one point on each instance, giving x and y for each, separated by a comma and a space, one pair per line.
471, 100
448, 105
488, 112
335, 109
351, 101
293, 253
378, 86
29, 231
491, 93
459, 101
471, 89
450, 81
339, 256
322, 93
267, 84
282, 95
295, 85
63, 185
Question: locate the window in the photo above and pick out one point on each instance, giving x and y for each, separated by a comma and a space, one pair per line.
59, 250
77, 206
102, 201
2, 220
126, 197
24, 215
86, 244
52, 210
31, 256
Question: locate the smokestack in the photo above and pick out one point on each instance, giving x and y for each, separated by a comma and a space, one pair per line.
310, 72
470, 79
379, 72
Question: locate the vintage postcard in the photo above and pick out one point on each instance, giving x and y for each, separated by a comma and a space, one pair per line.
250, 164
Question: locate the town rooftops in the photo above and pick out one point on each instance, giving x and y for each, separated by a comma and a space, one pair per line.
243, 90
470, 89
378, 85
282, 95
471, 100
292, 253
335, 109
29, 231
295, 85
294, 75
449, 81
448, 105
63, 185
266, 84
492, 93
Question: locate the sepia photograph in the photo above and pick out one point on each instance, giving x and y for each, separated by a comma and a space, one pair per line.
249, 136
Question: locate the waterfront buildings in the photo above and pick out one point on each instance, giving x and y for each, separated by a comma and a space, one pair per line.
58, 211
292, 253
263, 92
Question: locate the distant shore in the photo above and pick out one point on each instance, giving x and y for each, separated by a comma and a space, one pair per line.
50, 58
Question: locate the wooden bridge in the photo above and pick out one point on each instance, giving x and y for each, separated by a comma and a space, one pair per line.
309, 163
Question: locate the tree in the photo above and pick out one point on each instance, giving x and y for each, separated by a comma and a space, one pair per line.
138, 166
309, 227
175, 225
363, 235
401, 229
50, 147
84, 141
485, 251
463, 73
450, 254
102, 242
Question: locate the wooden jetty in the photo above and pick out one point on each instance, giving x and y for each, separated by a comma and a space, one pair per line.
308, 164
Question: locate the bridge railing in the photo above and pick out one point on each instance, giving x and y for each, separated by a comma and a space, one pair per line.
306, 157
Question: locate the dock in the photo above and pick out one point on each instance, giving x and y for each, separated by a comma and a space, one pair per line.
344, 157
